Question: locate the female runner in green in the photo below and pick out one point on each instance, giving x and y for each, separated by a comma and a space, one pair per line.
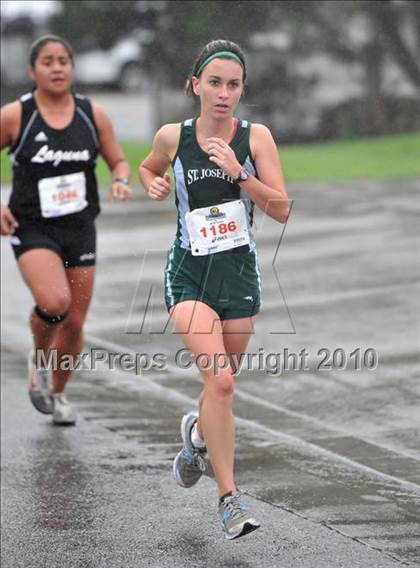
222, 167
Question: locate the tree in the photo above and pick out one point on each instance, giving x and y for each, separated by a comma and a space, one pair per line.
393, 22
97, 23
369, 33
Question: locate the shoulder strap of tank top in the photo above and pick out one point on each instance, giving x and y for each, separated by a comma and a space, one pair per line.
185, 130
241, 140
249, 163
243, 146
84, 110
243, 129
29, 114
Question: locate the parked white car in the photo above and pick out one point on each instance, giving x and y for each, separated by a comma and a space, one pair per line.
120, 66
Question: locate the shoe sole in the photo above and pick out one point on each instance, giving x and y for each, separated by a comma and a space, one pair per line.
38, 399
184, 424
56, 423
39, 402
247, 527
175, 474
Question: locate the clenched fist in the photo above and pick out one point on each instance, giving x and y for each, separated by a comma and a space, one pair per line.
8, 222
160, 187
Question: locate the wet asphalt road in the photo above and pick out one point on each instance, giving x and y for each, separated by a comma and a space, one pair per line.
329, 458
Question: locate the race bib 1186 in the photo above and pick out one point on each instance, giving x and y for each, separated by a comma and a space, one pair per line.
217, 228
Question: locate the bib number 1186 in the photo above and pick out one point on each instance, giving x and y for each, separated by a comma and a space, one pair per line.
220, 228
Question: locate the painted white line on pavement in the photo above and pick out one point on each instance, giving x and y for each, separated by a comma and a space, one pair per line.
294, 441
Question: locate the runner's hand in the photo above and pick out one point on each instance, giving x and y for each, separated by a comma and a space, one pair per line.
223, 156
160, 187
8, 222
120, 191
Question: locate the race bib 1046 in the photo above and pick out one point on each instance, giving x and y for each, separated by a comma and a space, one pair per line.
217, 228
62, 195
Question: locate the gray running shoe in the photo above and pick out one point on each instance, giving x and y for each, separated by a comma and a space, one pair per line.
236, 521
63, 412
39, 387
190, 462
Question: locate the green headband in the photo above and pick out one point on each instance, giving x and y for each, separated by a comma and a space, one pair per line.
229, 54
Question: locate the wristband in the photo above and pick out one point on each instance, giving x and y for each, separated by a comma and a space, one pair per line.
124, 181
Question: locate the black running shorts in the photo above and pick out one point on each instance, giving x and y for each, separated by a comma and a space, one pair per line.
76, 246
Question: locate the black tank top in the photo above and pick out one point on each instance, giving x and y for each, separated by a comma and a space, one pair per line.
41, 151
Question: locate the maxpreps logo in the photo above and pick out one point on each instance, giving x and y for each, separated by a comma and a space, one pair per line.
215, 213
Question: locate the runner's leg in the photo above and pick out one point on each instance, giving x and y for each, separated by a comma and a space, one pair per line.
201, 331
236, 336
44, 274
69, 338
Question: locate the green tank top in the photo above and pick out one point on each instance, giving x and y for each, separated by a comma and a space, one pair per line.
201, 183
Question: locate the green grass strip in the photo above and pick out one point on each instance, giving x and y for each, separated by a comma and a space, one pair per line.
386, 157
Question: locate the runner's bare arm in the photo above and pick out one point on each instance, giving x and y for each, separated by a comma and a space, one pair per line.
152, 171
113, 155
10, 116
268, 191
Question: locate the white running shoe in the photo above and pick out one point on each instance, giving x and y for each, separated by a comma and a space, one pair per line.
236, 521
39, 386
63, 414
